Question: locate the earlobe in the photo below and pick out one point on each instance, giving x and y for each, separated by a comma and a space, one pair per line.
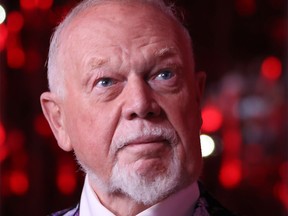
53, 113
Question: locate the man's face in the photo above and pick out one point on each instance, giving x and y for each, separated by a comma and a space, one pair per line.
132, 98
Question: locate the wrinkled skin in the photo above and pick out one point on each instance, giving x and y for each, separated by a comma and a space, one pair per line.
126, 72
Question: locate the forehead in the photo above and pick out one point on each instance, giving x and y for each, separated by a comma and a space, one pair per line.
108, 28
115, 19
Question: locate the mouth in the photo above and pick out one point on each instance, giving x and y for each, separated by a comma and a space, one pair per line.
145, 145
145, 140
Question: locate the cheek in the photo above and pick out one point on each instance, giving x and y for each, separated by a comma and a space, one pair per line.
90, 131
185, 118
183, 113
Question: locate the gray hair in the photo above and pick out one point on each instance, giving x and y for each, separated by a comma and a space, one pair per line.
55, 75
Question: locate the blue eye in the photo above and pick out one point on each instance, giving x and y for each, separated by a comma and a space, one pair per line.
105, 82
165, 75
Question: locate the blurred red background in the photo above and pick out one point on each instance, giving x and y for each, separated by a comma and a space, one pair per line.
241, 44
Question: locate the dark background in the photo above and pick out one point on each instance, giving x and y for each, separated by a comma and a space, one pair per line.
241, 44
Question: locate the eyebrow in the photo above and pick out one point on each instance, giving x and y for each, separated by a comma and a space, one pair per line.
93, 64
165, 52
97, 62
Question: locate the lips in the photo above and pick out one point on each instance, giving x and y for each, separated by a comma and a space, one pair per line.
146, 140
145, 144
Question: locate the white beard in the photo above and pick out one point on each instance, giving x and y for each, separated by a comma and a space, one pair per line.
146, 190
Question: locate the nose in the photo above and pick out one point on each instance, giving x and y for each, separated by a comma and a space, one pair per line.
139, 100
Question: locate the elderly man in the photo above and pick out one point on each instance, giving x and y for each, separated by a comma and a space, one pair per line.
125, 98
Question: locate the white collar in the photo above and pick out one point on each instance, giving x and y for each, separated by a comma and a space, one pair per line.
180, 204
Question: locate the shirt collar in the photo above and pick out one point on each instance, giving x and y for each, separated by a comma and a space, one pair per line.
90, 204
181, 203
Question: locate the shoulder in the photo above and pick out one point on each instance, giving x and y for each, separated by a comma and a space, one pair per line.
73, 211
213, 206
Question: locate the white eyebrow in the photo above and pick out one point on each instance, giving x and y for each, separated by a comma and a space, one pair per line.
97, 62
165, 52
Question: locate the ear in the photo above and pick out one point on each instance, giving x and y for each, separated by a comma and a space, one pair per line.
51, 107
200, 84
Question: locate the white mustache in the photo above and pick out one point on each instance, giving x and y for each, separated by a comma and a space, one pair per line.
145, 135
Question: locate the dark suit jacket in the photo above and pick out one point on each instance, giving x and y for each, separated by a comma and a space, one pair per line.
205, 202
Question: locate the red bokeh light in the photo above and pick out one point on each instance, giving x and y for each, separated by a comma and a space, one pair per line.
66, 179
18, 182
41, 126
271, 68
28, 4
281, 192
230, 173
15, 21
2, 134
66, 183
15, 57
212, 118
33, 4
3, 36
3, 148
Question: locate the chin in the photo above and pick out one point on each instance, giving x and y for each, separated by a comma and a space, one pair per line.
148, 181
149, 168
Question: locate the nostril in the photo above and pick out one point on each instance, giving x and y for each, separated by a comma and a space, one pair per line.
142, 115
133, 115
150, 114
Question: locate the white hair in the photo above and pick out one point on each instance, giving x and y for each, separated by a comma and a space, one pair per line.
56, 70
